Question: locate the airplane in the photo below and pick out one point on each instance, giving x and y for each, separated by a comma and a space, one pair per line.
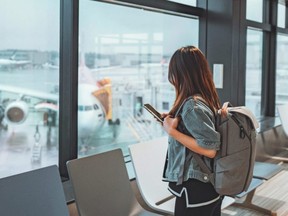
94, 104
48, 65
12, 62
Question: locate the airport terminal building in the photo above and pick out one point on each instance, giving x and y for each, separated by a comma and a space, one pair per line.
75, 74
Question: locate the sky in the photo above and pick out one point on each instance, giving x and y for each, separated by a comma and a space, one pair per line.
34, 24
97, 19
24, 24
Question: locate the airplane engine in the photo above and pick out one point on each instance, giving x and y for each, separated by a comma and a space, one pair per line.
16, 112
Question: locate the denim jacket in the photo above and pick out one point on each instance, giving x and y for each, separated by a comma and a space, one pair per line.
199, 122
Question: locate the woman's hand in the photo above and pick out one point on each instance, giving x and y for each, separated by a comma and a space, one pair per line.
170, 124
163, 115
224, 111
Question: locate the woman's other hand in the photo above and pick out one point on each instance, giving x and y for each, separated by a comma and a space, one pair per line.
170, 124
224, 111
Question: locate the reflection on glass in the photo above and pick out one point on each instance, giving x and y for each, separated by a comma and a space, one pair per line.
186, 2
29, 80
254, 71
281, 15
254, 10
282, 70
124, 64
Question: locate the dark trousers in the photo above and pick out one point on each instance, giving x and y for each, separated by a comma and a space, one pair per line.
213, 209
198, 192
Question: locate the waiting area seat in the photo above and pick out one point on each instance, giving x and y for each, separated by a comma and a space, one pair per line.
36, 192
148, 162
102, 187
283, 114
248, 197
265, 170
275, 135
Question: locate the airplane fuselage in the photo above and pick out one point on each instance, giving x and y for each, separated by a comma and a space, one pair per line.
91, 115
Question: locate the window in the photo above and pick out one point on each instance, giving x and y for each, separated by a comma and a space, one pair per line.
254, 10
282, 70
262, 44
29, 83
281, 15
126, 54
254, 70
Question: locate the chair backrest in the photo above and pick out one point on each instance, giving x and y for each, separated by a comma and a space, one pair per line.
101, 184
148, 162
283, 114
37, 192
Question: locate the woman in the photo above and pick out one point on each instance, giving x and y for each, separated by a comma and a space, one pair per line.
197, 97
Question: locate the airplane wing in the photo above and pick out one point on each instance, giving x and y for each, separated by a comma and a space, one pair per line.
29, 92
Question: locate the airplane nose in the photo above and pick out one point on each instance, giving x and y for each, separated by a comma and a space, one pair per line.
88, 123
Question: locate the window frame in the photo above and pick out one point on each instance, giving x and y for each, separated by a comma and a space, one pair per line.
270, 30
69, 33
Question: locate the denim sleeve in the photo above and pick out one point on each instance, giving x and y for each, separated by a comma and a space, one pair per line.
200, 125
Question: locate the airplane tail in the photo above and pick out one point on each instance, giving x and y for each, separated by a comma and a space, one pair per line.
12, 57
104, 95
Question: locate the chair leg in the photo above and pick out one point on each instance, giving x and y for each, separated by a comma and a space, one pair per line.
247, 203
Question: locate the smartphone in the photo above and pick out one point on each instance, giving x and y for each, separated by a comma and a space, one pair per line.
154, 112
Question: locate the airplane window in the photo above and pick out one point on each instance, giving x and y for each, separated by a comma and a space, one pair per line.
29, 73
80, 108
87, 108
126, 52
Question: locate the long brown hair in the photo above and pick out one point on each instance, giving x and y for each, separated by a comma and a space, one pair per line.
189, 73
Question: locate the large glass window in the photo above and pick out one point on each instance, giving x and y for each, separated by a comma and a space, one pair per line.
281, 15
125, 53
282, 70
29, 80
254, 70
254, 10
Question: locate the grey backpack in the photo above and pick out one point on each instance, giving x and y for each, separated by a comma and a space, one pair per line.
231, 171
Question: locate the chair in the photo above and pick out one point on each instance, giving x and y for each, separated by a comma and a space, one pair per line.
283, 114
101, 185
37, 192
148, 162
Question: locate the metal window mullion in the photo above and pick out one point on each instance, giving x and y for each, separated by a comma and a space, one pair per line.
242, 54
203, 23
253, 24
265, 70
266, 11
282, 30
69, 14
161, 5
269, 63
